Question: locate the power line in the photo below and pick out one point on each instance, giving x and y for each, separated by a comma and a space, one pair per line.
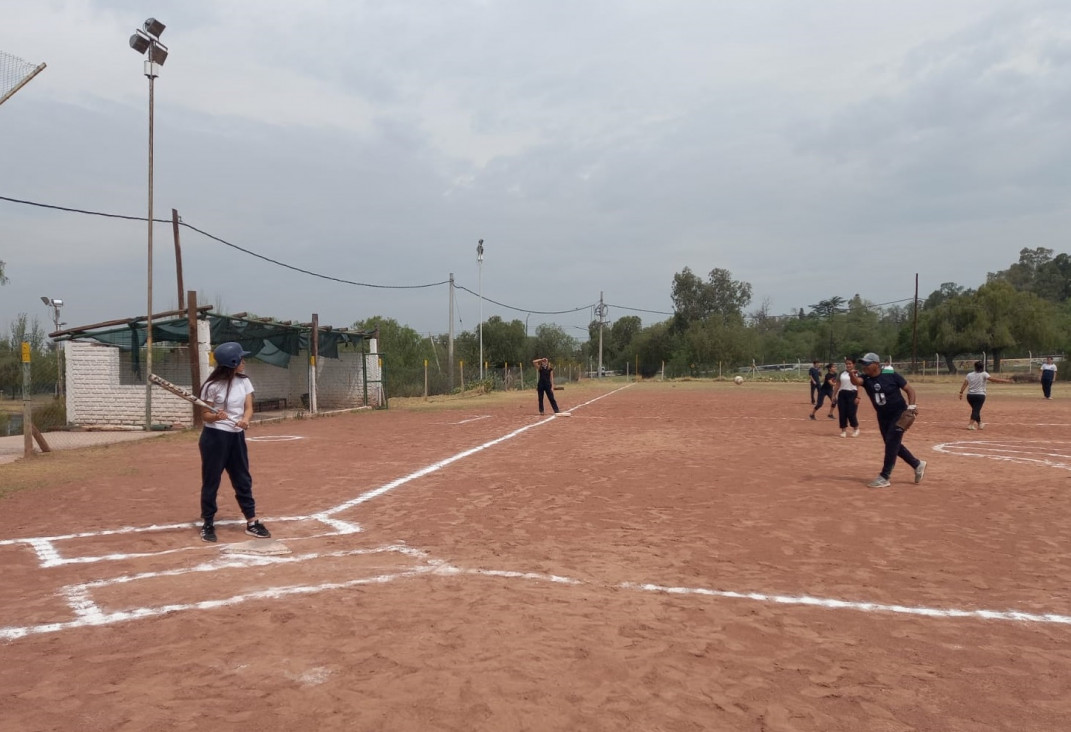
525, 310
638, 310
309, 272
251, 253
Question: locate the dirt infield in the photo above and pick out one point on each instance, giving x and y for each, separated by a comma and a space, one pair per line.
686, 556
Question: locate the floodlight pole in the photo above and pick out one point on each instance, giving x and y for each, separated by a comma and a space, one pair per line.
150, 71
147, 39
479, 276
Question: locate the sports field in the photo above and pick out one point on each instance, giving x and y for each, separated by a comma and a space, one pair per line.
683, 556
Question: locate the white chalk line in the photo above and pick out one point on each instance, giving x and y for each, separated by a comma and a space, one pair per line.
87, 613
435, 467
1009, 450
472, 419
49, 555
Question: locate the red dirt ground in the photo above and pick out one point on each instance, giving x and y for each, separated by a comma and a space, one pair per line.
572, 576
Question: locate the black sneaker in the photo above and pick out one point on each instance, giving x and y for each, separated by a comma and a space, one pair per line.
257, 529
208, 533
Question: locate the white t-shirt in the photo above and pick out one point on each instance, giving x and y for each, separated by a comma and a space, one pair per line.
216, 392
1049, 367
976, 382
846, 382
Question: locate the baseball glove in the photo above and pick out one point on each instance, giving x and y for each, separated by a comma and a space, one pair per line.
907, 419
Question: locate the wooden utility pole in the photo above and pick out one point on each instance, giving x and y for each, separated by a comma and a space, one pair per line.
178, 257
314, 352
194, 351
915, 330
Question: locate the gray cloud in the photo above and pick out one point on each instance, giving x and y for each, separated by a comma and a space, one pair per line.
811, 149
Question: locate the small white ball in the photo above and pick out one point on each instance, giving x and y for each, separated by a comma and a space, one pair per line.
739, 380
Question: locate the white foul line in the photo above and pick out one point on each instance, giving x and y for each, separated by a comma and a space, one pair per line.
377, 492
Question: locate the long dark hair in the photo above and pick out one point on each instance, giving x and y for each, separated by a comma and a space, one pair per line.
222, 373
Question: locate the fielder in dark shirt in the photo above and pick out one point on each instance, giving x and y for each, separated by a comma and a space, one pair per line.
816, 379
545, 383
886, 392
825, 391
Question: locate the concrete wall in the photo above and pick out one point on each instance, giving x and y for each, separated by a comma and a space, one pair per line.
96, 398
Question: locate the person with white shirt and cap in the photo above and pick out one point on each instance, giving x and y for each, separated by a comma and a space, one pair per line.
222, 443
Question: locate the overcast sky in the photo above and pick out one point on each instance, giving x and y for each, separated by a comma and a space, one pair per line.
812, 149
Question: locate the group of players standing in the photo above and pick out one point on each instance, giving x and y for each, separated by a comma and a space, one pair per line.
894, 402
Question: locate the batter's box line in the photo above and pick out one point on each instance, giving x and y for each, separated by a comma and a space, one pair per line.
88, 614
49, 555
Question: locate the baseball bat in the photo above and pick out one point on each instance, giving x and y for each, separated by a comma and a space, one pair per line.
180, 392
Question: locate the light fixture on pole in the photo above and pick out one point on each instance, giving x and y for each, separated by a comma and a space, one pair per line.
56, 304
146, 41
479, 276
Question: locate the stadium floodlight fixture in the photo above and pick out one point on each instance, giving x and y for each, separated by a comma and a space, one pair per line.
153, 27
146, 41
140, 42
55, 303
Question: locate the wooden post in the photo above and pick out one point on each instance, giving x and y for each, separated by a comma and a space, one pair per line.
194, 351
425, 379
178, 257
27, 408
314, 352
41, 442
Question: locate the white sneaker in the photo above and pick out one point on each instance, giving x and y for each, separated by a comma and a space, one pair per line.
920, 471
843, 434
971, 426
879, 482
855, 434
981, 425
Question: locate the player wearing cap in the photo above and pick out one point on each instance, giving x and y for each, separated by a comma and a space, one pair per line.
545, 383
886, 392
222, 442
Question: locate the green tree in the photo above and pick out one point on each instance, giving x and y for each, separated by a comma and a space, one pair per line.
827, 310
1023, 274
655, 346
554, 343
720, 296
3, 277
403, 351
622, 334
862, 323
503, 342
947, 291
